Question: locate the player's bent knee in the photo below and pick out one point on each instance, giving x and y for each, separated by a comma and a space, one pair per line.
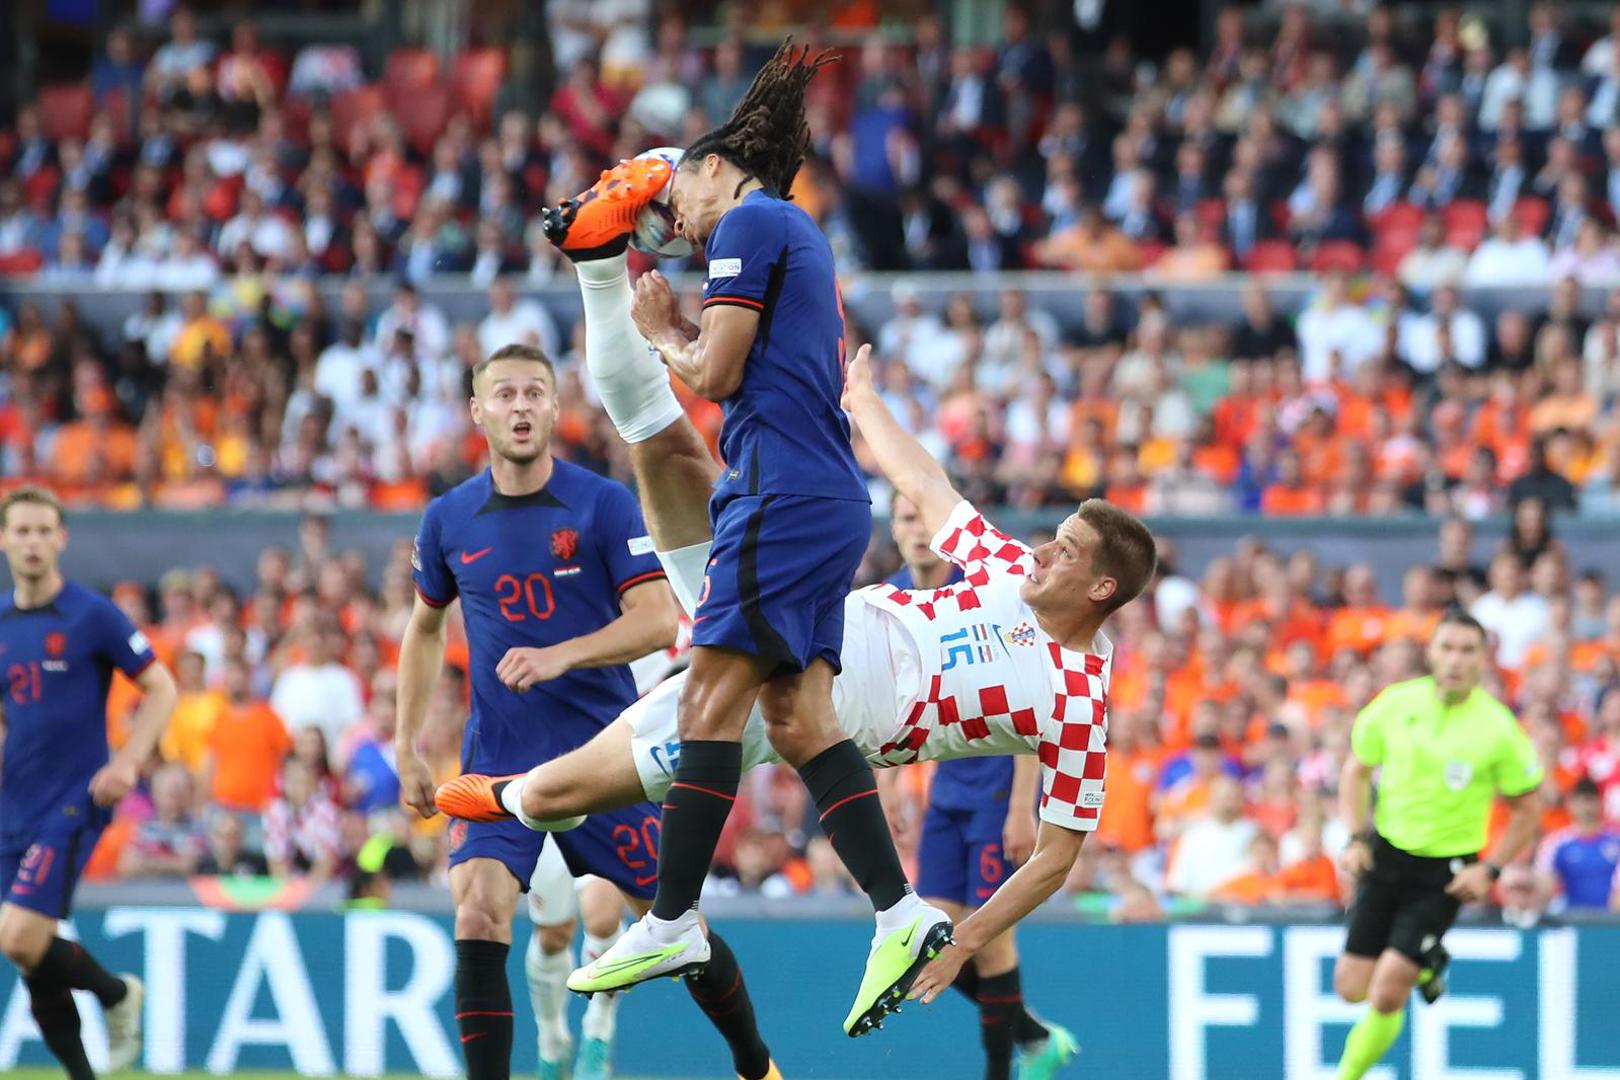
480, 918
556, 939
1350, 980
20, 945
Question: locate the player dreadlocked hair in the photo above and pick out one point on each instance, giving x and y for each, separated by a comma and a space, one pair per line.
767, 134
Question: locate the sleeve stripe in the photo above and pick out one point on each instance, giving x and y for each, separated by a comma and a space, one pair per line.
739, 301
428, 600
641, 579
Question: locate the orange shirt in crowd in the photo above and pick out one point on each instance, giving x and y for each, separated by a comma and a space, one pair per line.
191, 727
1280, 500
1313, 878
247, 747
1249, 887
1359, 629
1129, 821
1405, 625
85, 452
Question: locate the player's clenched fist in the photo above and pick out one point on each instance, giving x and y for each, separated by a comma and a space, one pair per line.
113, 781
415, 783
520, 669
654, 308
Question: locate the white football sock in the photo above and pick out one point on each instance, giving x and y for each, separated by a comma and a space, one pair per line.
630, 379
686, 568
602, 1012
894, 918
669, 931
548, 995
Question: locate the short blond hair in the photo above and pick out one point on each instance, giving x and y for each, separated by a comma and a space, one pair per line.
31, 494
526, 353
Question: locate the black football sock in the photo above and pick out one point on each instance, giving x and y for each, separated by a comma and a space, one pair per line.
1001, 1001
51, 1002
966, 982
695, 811
67, 963
484, 1009
719, 990
840, 780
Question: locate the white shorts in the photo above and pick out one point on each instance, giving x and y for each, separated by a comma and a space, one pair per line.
655, 739
553, 897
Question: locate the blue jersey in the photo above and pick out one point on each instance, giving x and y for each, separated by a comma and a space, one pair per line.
784, 431
971, 782
1584, 865
534, 571
58, 661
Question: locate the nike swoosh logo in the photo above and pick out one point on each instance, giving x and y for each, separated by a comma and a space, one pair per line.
905, 942
475, 1035
473, 556
627, 962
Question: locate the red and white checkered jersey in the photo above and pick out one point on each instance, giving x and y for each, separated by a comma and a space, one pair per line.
991, 681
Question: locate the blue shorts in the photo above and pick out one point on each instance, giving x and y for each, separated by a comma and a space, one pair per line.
620, 846
779, 572
40, 863
959, 857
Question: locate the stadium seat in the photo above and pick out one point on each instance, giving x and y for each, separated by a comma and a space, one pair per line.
423, 117
1402, 215
1345, 255
356, 107
1533, 214
1272, 257
1466, 223
475, 78
410, 69
27, 261
1390, 247
64, 110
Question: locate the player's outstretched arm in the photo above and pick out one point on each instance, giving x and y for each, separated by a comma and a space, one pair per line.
710, 364
421, 656
910, 468
648, 621
158, 695
1032, 885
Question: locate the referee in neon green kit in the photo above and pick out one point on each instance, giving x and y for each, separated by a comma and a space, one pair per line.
1444, 749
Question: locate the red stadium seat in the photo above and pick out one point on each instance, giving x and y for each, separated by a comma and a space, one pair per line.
1402, 215
27, 261
1345, 255
1272, 257
475, 78
1466, 223
1390, 247
1210, 214
1532, 213
422, 117
410, 69
354, 108
64, 110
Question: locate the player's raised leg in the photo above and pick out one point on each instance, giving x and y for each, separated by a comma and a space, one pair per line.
673, 466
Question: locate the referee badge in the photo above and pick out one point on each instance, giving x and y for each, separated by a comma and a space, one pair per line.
1458, 774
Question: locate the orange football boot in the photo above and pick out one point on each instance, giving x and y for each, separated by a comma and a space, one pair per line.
474, 797
600, 222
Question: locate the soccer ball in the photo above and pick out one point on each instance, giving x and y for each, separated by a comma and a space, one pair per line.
655, 227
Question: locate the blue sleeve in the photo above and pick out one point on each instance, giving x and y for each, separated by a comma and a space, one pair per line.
626, 549
435, 584
744, 248
125, 647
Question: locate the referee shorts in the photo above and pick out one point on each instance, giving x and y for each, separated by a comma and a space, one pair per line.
1401, 903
